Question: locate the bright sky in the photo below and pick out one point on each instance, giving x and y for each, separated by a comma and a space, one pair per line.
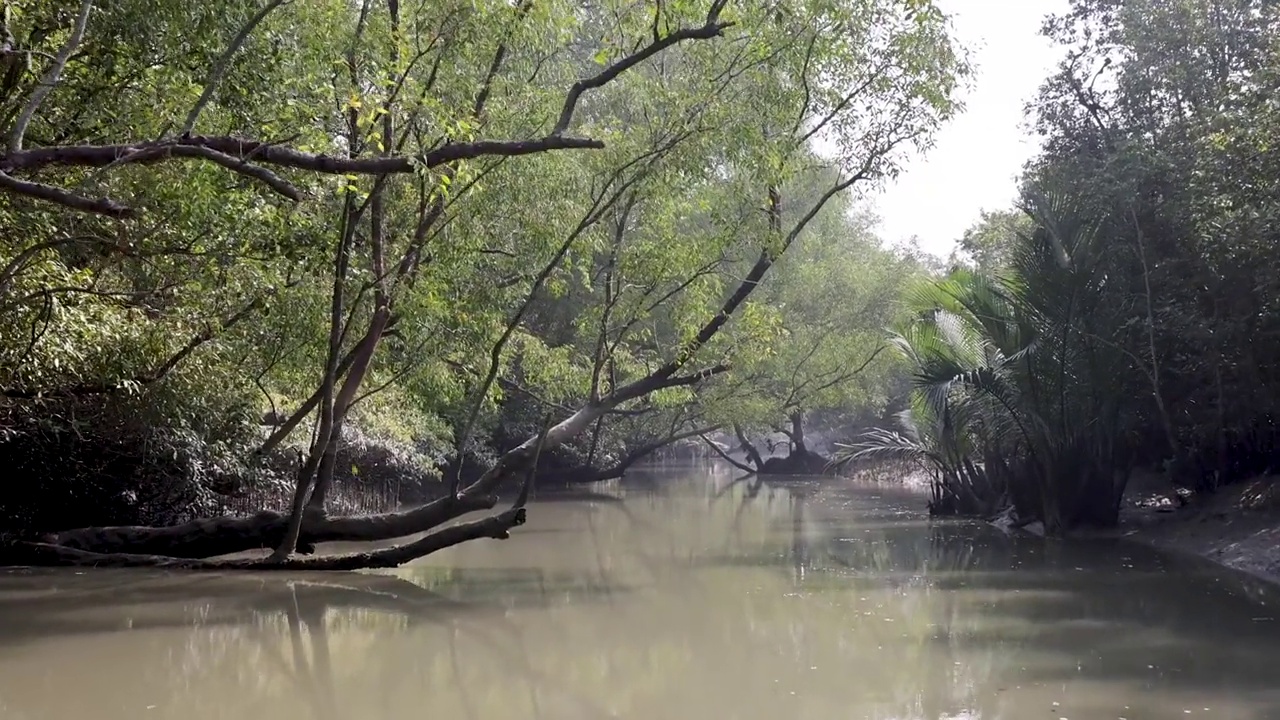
978, 155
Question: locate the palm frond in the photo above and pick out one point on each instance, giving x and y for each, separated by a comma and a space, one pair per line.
883, 444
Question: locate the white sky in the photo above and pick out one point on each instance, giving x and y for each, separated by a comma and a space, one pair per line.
978, 155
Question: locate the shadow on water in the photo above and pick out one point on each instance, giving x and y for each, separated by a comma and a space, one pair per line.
668, 597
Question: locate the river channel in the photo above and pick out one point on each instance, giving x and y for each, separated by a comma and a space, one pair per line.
678, 594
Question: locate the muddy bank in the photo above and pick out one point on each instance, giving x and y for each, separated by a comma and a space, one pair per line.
1238, 526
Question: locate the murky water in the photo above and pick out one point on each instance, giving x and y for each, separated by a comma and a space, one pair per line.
687, 597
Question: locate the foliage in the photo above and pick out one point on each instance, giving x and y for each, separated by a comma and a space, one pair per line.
989, 242
998, 364
1126, 322
832, 296
380, 221
1160, 155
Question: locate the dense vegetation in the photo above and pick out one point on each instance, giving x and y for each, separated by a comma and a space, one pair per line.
1124, 314
268, 262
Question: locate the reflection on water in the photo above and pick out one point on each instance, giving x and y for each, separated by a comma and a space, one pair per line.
687, 596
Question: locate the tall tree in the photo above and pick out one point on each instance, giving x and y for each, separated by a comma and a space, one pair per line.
375, 137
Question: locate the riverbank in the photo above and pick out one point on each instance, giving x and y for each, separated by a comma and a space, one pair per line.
1238, 526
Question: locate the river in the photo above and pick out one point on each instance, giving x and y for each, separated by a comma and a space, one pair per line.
679, 595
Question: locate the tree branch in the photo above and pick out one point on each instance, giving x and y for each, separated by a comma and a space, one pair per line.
220, 67
697, 377
495, 526
725, 456
234, 153
50, 78
284, 429
649, 448
241, 166
482, 97
603, 202
710, 29
281, 155
66, 198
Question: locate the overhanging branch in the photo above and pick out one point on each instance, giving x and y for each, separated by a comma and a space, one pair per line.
244, 150
695, 378
725, 456
236, 154
246, 156
66, 198
710, 29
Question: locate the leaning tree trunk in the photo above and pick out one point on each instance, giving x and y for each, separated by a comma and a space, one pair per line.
753, 455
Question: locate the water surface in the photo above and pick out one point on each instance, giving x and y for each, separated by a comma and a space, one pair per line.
681, 595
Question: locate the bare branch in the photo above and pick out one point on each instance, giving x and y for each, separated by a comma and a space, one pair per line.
284, 429
844, 103
512, 386
839, 377
495, 66
695, 378
233, 153
523, 498
600, 356
239, 165
15, 266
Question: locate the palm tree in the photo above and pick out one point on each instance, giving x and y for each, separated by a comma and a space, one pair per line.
1017, 389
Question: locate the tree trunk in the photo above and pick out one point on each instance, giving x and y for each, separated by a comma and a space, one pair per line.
342, 404
1157, 392
753, 455
1224, 459
1051, 507
307, 473
798, 446
211, 537
496, 526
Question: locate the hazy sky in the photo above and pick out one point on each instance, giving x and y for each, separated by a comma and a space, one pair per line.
979, 154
